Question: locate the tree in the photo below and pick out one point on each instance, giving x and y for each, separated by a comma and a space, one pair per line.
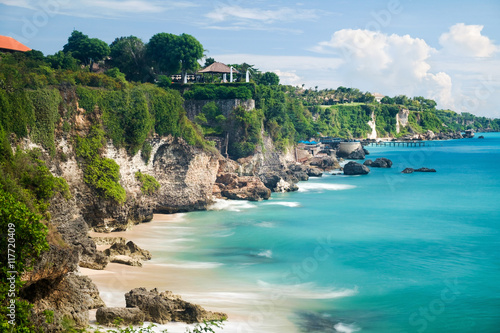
270, 79
87, 50
129, 55
61, 60
209, 61
189, 50
172, 54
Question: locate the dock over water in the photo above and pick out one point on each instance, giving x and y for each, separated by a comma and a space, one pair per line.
396, 144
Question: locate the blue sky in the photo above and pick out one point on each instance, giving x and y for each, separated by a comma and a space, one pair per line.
445, 50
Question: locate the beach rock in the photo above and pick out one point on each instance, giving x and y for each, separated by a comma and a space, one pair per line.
242, 188
368, 162
325, 162
358, 154
354, 168
299, 171
425, 170
408, 170
128, 316
314, 172
381, 162
129, 249
277, 183
126, 260
165, 306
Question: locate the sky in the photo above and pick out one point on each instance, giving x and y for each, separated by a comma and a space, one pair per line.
445, 50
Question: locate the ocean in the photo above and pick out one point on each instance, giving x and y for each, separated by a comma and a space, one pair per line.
381, 253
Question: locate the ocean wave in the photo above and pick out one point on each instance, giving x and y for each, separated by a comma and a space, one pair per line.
346, 328
193, 265
231, 205
265, 224
266, 254
308, 291
307, 187
283, 203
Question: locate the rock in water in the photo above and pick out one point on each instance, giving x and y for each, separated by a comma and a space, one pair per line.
368, 162
242, 188
408, 170
382, 162
358, 154
129, 316
165, 306
314, 172
354, 168
425, 170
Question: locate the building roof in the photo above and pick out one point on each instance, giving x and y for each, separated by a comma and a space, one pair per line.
218, 67
9, 43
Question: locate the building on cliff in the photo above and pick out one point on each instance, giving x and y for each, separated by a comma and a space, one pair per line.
9, 44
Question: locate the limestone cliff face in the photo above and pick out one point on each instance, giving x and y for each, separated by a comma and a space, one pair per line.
402, 119
186, 175
373, 125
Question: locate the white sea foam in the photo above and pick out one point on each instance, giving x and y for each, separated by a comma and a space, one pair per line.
193, 264
346, 328
231, 205
310, 186
283, 203
265, 224
308, 291
266, 253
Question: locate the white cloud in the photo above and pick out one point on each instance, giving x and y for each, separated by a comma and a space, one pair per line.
237, 13
390, 64
466, 40
288, 78
99, 8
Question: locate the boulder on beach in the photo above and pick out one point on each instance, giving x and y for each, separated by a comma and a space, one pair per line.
354, 168
382, 162
164, 307
127, 316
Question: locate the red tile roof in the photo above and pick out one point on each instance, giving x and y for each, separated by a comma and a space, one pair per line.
10, 43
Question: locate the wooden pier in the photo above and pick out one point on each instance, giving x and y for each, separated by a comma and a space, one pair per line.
396, 144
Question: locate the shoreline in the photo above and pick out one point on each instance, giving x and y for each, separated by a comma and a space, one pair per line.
181, 278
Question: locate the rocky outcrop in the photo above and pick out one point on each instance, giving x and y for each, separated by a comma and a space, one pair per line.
69, 295
165, 307
358, 154
127, 316
381, 162
325, 163
276, 183
127, 253
314, 172
354, 168
231, 186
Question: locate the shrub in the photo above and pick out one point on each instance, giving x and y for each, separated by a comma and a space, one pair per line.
149, 185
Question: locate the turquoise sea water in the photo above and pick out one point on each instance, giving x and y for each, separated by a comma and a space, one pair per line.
386, 252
